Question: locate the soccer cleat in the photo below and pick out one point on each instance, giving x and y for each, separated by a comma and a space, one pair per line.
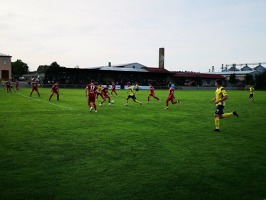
100, 104
140, 103
166, 108
126, 104
91, 109
109, 104
178, 101
216, 130
96, 111
234, 113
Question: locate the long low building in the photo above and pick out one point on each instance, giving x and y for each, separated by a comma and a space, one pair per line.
133, 72
121, 74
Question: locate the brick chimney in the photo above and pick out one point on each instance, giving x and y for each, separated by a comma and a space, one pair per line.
161, 58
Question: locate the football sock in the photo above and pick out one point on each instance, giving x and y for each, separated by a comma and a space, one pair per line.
225, 115
217, 122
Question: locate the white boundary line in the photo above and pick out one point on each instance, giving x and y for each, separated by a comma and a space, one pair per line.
45, 102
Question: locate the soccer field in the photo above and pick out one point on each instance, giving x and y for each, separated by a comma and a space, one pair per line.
59, 150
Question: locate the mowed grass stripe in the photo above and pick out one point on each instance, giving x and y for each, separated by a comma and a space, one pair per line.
42, 101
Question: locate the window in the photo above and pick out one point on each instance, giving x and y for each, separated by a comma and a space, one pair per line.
5, 61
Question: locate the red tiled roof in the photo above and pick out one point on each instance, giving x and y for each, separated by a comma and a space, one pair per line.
156, 70
200, 75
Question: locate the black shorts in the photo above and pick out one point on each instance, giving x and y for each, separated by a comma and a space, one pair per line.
219, 110
131, 97
250, 95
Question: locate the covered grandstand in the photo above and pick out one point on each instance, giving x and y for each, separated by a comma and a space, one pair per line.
122, 74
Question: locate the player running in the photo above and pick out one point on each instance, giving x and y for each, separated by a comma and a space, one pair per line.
251, 93
34, 86
171, 96
105, 95
113, 89
152, 93
99, 91
131, 94
90, 93
55, 90
136, 86
8, 86
219, 100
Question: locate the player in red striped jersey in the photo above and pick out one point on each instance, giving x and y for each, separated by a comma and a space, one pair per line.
113, 89
90, 92
152, 93
171, 96
17, 86
34, 86
55, 90
8, 86
105, 95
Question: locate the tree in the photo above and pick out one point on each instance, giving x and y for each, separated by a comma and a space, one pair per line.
249, 79
43, 68
261, 81
232, 79
19, 68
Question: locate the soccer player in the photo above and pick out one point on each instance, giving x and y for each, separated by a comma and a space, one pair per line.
34, 86
137, 86
8, 86
152, 93
90, 93
99, 91
55, 90
105, 95
219, 100
17, 86
171, 96
251, 93
131, 94
113, 89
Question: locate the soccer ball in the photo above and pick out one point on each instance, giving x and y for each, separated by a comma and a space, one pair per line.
112, 101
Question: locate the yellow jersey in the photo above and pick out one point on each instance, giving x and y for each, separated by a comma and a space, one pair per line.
251, 90
131, 91
219, 94
99, 88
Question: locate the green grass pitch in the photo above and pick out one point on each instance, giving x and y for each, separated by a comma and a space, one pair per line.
59, 150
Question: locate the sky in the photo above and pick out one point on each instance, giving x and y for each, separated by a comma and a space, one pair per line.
196, 34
